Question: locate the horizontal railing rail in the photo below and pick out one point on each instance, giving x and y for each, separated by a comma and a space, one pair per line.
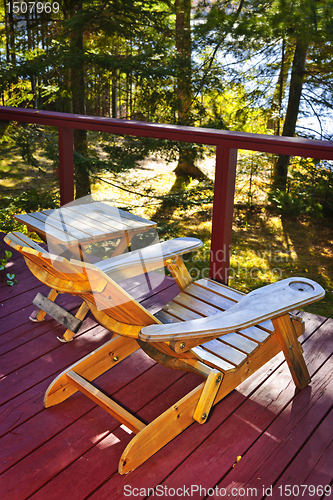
227, 143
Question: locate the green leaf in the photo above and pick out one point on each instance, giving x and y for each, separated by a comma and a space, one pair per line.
8, 254
10, 276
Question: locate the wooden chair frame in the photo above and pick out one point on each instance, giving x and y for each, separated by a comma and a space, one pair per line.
209, 329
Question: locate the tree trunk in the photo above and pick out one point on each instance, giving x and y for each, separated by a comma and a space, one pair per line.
186, 162
6, 31
274, 120
114, 96
12, 52
296, 83
82, 179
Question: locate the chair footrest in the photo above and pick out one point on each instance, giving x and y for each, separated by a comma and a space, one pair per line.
58, 313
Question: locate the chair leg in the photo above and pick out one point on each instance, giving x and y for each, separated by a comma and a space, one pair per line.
292, 350
40, 315
122, 245
160, 432
207, 397
181, 415
81, 314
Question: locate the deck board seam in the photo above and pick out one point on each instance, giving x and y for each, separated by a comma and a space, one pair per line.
299, 449
41, 380
49, 324
265, 429
94, 406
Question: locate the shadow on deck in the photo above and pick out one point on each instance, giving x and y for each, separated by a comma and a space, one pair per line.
262, 435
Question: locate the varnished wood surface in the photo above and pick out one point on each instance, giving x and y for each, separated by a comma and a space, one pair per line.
262, 304
283, 437
82, 224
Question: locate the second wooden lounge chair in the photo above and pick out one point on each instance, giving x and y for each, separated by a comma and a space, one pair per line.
209, 329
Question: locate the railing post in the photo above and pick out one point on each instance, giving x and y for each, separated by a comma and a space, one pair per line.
66, 165
223, 207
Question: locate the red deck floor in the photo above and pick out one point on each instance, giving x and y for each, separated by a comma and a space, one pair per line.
71, 451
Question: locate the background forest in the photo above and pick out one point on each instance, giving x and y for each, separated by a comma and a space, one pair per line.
246, 65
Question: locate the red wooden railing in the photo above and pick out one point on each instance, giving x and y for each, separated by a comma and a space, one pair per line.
227, 143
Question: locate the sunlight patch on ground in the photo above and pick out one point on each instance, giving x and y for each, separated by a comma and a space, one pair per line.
140, 186
99, 437
107, 442
126, 429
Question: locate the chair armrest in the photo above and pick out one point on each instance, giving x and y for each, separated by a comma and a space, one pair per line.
262, 304
147, 259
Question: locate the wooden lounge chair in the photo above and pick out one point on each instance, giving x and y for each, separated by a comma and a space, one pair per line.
54, 271
208, 328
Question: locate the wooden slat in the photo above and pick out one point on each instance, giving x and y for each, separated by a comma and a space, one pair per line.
256, 334
119, 216
40, 315
226, 352
180, 312
58, 267
240, 342
221, 289
114, 227
13, 240
209, 297
35, 224
23, 240
212, 360
52, 222
123, 214
195, 305
116, 302
166, 318
77, 221
267, 326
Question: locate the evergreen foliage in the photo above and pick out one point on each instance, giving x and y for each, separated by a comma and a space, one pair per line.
249, 65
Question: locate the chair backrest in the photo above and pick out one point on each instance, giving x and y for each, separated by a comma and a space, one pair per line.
49, 269
110, 304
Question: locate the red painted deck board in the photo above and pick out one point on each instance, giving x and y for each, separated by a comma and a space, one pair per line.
71, 451
303, 470
240, 422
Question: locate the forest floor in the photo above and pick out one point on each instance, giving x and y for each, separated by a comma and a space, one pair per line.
266, 245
